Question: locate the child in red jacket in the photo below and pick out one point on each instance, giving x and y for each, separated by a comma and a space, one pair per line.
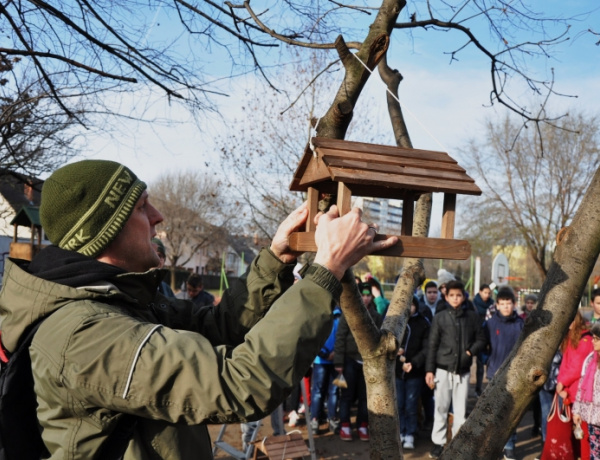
576, 348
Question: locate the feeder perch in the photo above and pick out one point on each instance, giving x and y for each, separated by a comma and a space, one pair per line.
347, 169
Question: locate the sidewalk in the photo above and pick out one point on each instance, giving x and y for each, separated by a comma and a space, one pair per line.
330, 447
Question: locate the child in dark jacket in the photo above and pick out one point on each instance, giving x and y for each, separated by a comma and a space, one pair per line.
502, 331
483, 301
456, 336
410, 371
348, 361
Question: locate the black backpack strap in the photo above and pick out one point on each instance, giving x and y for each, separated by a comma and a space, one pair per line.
19, 397
116, 445
18, 405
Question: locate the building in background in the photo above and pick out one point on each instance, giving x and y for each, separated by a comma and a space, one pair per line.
385, 213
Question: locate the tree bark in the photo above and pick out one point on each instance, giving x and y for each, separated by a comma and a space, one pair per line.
512, 389
378, 348
335, 122
380, 373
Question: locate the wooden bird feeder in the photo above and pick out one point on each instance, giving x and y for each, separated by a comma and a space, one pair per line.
346, 168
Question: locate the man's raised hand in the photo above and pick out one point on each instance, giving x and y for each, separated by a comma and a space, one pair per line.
343, 241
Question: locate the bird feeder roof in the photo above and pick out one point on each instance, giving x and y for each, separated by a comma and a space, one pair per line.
379, 170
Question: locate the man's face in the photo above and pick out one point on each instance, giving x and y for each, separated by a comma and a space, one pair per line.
596, 306
505, 306
485, 294
132, 248
193, 291
455, 297
529, 304
432, 294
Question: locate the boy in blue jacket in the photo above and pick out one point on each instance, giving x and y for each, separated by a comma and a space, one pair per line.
502, 331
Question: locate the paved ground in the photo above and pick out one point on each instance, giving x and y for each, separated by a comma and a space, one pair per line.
330, 447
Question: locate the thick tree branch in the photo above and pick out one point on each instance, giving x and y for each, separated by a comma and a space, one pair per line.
509, 394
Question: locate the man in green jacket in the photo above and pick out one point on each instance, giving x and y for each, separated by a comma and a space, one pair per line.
112, 349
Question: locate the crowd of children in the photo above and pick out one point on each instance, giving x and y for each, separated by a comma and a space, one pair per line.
445, 332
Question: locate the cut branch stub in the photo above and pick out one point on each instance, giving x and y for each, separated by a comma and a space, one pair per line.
342, 50
343, 111
377, 50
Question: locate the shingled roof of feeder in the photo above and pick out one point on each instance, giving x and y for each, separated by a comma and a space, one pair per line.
379, 170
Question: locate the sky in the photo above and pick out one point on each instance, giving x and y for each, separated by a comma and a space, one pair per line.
444, 102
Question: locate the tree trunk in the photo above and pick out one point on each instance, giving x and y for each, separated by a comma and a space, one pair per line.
501, 407
379, 371
378, 348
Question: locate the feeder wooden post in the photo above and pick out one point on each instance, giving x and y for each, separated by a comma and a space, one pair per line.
313, 208
448, 215
344, 199
408, 211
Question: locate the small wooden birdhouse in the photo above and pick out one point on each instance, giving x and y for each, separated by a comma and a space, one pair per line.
347, 169
28, 216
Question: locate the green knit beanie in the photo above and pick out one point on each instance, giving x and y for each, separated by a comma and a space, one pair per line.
86, 204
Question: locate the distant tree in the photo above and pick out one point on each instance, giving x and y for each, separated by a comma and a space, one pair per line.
35, 137
530, 194
263, 147
196, 213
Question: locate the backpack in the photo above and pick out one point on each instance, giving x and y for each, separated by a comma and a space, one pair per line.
20, 431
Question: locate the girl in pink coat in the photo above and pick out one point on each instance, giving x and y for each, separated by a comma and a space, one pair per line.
578, 346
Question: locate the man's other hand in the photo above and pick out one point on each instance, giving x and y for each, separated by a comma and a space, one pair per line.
343, 241
280, 245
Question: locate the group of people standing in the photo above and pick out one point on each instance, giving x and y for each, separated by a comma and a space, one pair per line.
456, 335
445, 331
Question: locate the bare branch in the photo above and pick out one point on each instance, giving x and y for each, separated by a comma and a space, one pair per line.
237, 35
310, 83
290, 41
58, 57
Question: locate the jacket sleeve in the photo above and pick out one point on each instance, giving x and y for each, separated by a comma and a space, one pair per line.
488, 339
480, 341
241, 307
570, 367
418, 360
340, 342
382, 304
109, 359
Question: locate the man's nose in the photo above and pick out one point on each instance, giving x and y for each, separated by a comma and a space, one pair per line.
155, 216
